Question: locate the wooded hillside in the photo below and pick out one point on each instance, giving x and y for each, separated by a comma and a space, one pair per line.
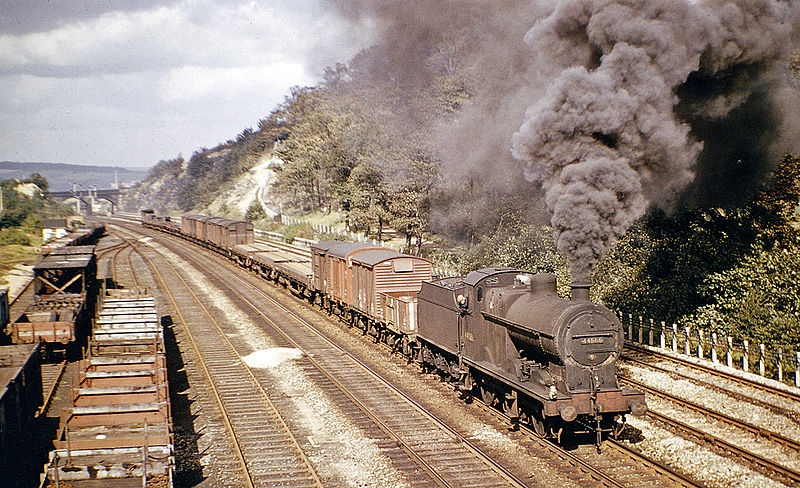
363, 143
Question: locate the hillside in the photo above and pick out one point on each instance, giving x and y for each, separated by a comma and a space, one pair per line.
665, 216
62, 176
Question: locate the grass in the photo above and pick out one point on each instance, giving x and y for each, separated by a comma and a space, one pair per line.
13, 254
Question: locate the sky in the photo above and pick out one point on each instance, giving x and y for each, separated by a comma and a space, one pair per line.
129, 83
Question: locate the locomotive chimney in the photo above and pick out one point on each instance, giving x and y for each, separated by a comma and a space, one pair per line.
580, 292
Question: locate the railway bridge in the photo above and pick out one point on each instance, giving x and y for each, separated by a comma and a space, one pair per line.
88, 201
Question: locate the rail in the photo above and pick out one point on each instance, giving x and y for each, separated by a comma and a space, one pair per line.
399, 439
250, 476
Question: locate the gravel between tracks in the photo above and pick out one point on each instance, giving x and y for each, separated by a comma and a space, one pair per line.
718, 401
338, 449
702, 463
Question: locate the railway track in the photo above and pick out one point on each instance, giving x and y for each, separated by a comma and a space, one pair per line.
434, 454
754, 444
617, 466
643, 356
288, 248
250, 417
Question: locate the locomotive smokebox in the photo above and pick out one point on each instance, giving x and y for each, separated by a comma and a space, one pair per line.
580, 292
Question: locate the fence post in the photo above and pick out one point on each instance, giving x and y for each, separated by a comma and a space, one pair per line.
663, 338
650, 334
641, 329
761, 359
797, 369
674, 337
780, 364
714, 347
700, 339
729, 352
687, 345
745, 359
630, 327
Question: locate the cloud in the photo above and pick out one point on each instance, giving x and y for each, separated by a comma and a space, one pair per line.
171, 76
189, 83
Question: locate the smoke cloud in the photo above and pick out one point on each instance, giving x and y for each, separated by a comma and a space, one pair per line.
620, 127
606, 106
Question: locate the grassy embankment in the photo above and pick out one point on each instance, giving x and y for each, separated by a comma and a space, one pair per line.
13, 255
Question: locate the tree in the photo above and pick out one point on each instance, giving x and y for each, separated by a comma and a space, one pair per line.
367, 198
39, 181
667, 260
255, 211
756, 299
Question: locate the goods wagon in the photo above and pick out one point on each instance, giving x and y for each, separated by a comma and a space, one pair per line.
117, 429
81, 237
385, 285
330, 261
65, 286
20, 399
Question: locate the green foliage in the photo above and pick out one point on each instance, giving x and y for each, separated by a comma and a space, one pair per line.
166, 168
714, 266
304, 230
756, 299
331, 237
14, 254
14, 235
517, 244
255, 211
21, 210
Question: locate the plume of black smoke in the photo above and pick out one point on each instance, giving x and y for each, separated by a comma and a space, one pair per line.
605, 141
612, 105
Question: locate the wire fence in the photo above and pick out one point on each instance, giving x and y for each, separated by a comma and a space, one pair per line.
777, 364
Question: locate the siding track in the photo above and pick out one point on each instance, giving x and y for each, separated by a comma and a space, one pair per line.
250, 417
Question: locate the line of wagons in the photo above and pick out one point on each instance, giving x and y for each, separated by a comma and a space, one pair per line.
499, 333
115, 426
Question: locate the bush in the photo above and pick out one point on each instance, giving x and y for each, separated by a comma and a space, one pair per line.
255, 211
304, 230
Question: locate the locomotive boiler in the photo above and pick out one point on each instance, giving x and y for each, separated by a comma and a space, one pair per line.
504, 334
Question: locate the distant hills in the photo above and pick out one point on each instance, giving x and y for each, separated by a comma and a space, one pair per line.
62, 176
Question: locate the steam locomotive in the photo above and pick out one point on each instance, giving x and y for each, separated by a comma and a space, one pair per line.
500, 334
505, 335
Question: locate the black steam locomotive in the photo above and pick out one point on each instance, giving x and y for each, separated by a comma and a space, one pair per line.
506, 335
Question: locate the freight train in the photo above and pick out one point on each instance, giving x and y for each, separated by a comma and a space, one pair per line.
500, 334
65, 288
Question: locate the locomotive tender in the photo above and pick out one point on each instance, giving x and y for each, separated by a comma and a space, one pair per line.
501, 334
